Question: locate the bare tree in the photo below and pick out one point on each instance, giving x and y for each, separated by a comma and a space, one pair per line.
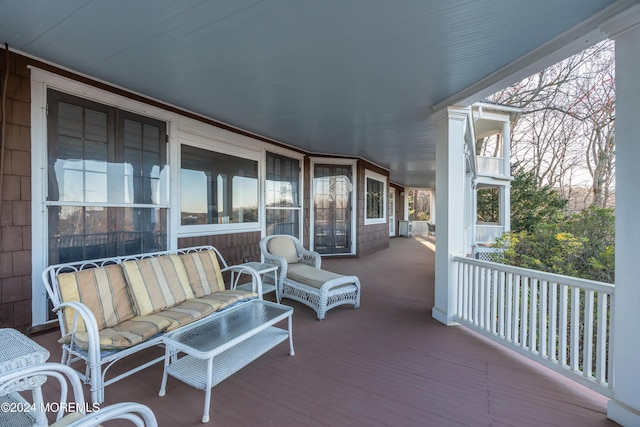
596, 109
566, 133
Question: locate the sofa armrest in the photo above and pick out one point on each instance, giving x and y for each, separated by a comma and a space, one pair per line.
82, 312
256, 280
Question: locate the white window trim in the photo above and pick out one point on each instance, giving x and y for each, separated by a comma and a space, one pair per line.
392, 209
369, 174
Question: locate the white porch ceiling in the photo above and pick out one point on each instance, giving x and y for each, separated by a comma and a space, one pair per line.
348, 77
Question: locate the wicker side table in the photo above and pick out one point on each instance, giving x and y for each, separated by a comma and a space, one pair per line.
18, 351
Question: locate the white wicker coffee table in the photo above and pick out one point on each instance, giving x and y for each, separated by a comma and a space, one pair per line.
205, 353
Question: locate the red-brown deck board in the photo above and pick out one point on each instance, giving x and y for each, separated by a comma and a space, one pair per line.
387, 363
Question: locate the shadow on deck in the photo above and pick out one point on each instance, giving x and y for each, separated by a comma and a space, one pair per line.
387, 363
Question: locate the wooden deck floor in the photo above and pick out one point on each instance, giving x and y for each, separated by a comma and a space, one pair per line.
387, 364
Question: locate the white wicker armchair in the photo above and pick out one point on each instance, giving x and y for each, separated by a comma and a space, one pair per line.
71, 410
138, 414
300, 277
19, 412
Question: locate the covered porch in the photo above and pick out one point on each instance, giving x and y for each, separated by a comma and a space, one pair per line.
223, 83
387, 363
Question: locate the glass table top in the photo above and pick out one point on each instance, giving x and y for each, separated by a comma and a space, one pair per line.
220, 330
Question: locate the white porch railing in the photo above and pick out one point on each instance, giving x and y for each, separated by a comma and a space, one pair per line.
419, 227
486, 233
490, 165
562, 322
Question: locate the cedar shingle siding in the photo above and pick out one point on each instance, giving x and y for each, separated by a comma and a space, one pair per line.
15, 214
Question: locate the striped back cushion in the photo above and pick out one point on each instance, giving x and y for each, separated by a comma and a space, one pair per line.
103, 290
203, 271
157, 283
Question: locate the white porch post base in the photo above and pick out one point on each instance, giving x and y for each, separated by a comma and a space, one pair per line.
622, 414
442, 317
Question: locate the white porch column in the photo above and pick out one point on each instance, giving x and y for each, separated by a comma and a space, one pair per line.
450, 183
506, 207
506, 196
624, 408
432, 206
506, 147
471, 214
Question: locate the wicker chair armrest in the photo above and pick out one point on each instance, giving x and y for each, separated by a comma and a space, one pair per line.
275, 260
137, 413
63, 374
280, 262
306, 256
311, 258
256, 281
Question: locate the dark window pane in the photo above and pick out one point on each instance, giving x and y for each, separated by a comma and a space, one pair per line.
95, 156
133, 135
151, 138
143, 156
217, 188
283, 177
95, 126
70, 122
78, 232
283, 221
332, 208
100, 155
78, 154
375, 199
282, 191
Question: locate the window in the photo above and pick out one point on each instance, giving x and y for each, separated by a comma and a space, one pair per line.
106, 188
217, 188
376, 198
282, 195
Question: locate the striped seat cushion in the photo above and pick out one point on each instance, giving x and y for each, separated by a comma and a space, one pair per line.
187, 312
126, 334
197, 308
103, 290
157, 283
228, 297
312, 276
203, 271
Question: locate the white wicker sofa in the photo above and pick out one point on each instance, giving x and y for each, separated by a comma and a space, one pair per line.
111, 308
300, 277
